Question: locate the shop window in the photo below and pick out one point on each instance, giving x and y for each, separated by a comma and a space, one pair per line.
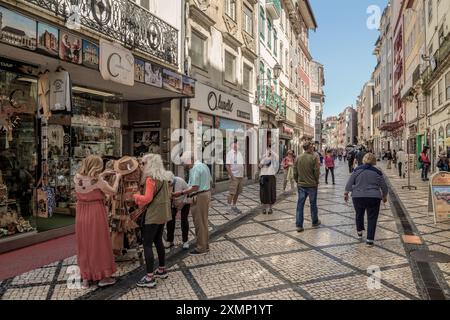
262, 22
18, 154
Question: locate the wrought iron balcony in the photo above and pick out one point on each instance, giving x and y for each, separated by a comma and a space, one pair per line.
122, 20
273, 7
441, 57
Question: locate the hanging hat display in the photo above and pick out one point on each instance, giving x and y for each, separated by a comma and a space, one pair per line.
126, 165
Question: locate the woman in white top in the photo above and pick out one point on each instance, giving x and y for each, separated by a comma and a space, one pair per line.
268, 183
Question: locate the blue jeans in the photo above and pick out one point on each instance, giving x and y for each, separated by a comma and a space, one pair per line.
303, 193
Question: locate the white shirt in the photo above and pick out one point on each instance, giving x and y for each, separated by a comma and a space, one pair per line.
60, 91
401, 156
236, 162
272, 169
179, 185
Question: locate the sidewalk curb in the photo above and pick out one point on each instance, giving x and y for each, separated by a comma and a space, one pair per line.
429, 279
128, 281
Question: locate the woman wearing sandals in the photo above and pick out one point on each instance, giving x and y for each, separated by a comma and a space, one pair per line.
157, 198
94, 249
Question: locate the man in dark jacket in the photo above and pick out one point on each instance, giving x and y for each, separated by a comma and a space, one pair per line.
307, 173
351, 159
360, 155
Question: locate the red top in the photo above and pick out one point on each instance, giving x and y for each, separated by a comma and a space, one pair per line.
142, 200
425, 158
329, 162
287, 162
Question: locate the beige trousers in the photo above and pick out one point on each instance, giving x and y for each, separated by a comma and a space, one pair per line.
200, 217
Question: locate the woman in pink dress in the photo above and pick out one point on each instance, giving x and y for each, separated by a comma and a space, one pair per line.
94, 248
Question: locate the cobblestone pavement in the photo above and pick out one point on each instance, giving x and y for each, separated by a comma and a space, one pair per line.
259, 257
435, 237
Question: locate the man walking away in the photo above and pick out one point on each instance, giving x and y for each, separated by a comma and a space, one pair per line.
351, 160
235, 168
307, 173
402, 160
199, 192
360, 156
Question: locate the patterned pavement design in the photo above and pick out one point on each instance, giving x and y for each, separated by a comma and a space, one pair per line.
262, 257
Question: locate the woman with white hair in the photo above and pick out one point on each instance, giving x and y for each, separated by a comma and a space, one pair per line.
94, 248
157, 200
368, 188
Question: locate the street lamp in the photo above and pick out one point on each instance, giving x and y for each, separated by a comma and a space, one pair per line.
277, 70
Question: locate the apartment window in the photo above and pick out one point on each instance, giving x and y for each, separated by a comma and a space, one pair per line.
269, 33
447, 86
262, 22
247, 76
275, 43
248, 20
433, 98
230, 9
230, 67
441, 92
197, 51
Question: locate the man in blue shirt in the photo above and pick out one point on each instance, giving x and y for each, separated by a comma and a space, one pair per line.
200, 192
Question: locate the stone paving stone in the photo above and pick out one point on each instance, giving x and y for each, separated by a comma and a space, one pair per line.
27, 293
273, 243
249, 229
63, 292
282, 225
382, 234
176, 287
234, 277
322, 237
305, 266
434, 238
336, 220
286, 294
277, 215
350, 288
401, 278
40, 275
362, 257
394, 245
219, 251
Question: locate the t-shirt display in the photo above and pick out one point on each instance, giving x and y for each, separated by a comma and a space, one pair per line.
60, 91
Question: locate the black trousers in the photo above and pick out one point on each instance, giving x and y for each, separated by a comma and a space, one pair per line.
350, 166
184, 224
372, 206
153, 234
400, 173
326, 174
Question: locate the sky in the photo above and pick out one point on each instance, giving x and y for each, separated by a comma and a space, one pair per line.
344, 44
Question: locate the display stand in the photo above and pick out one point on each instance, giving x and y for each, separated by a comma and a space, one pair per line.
409, 167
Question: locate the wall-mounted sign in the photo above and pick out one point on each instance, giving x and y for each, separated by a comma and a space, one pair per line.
70, 48
288, 130
139, 70
172, 81
17, 30
48, 39
212, 101
91, 54
153, 74
188, 86
116, 63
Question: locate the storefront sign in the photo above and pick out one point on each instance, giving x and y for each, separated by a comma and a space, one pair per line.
211, 101
440, 193
288, 130
17, 30
172, 81
116, 63
18, 67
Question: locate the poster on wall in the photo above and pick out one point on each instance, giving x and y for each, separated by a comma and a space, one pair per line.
440, 193
188, 86
116, 63
91, 54
139, 70
153, 75
48, 39
17, 30
172, 81
146, 142
70, 48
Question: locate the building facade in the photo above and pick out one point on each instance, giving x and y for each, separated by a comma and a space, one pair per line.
317, 99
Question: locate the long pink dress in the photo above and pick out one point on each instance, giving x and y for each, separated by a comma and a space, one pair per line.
94, 248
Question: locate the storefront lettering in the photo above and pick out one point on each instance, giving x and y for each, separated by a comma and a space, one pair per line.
243, 115
214, 103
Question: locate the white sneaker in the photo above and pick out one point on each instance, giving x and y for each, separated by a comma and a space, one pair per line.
186, 246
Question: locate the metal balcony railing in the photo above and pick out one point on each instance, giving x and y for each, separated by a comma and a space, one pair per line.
122, 20
442, 54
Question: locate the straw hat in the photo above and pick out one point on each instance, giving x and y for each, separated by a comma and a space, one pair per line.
126, 165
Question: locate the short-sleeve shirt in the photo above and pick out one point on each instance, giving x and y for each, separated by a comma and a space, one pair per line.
200, 176
236, 162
